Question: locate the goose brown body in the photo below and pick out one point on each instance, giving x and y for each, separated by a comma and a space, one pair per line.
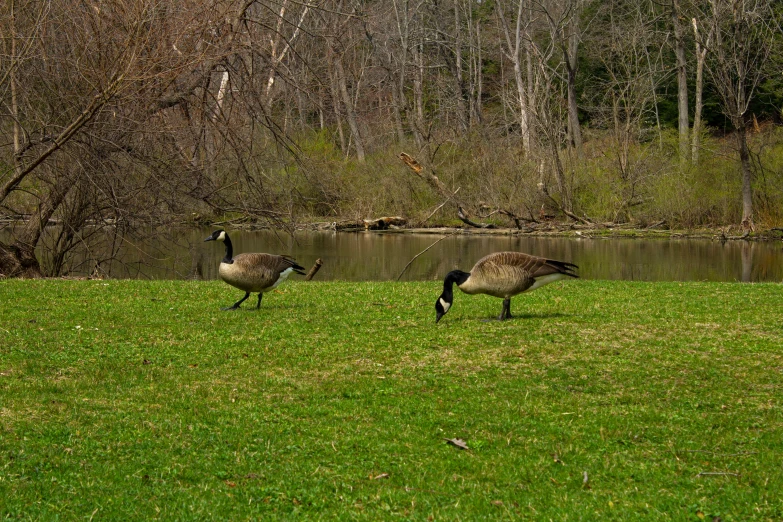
506, 274
252, 272
256, 272
503, 275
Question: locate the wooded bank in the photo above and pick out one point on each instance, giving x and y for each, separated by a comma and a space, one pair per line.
513, 113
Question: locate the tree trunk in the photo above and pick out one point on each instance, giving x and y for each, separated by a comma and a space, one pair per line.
514, 54
701, 54
747, 189
350, 110
418, 91
682, 82
338, 114
221, 94
530, 89
14, 104
403, 33
397, 109
18, 259
476, 104
459, 86
574, 130
275, 58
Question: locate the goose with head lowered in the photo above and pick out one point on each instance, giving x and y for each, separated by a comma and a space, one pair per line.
252, 272
504, 275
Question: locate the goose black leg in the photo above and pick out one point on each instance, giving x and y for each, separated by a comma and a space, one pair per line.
260, 295
236, 305
506, 312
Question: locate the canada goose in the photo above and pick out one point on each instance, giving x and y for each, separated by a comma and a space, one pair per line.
503, 274
252, 272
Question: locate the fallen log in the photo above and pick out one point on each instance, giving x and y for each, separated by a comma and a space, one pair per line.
545, 191
384, 223
465, 219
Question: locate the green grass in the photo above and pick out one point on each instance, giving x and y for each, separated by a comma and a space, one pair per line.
139, 400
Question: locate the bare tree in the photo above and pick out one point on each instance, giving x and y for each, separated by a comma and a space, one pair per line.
122, 122
624, 99
564, 25
743, 32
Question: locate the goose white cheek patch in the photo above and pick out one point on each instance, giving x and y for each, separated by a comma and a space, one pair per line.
222, 236
445, 305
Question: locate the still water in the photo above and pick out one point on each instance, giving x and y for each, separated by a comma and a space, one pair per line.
367, 256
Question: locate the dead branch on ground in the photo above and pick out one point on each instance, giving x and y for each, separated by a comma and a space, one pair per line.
314, 270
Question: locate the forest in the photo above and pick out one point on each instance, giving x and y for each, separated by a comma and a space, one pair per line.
124, 116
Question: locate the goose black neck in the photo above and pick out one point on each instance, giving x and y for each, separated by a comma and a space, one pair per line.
229, 251
455, 276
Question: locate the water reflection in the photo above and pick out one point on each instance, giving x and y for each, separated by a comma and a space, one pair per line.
381, 257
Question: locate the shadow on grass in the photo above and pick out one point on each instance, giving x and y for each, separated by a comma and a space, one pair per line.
522, 317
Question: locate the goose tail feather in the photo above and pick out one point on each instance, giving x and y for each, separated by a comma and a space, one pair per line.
564, 268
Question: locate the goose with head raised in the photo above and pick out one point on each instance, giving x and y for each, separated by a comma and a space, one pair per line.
252, 272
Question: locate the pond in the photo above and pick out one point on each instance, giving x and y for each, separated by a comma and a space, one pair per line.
369, 256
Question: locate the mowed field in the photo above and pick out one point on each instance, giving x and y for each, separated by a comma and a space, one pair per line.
599, 400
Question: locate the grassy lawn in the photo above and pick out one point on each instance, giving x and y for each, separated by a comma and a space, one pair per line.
142, 400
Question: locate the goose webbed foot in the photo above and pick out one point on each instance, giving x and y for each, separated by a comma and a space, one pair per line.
236, 305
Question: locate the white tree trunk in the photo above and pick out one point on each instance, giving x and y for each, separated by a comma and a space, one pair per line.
701, 55
513, 48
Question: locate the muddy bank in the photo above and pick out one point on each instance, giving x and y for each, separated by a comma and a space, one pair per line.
561, 230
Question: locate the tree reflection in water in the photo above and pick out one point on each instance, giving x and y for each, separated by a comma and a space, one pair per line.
369, 256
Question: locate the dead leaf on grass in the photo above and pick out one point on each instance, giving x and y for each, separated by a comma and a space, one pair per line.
458, 443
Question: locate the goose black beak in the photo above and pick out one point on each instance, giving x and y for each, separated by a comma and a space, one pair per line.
210, 238
438, 316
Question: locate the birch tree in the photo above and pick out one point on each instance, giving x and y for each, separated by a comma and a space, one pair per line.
702, 46
515, 26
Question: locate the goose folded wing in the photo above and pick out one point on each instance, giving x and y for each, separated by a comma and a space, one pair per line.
265, 269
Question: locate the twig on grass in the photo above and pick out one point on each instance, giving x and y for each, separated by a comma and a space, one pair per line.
420, 253
740, 454
409, 489
716, 473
